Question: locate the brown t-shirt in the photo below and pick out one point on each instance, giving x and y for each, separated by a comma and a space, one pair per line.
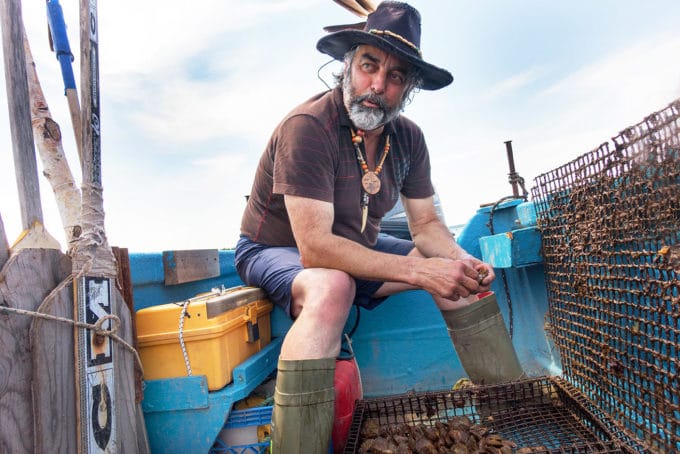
310, 154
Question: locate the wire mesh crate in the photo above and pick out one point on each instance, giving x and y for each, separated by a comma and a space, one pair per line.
538, 415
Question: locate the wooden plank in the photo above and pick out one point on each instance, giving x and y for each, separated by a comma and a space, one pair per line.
190, 265
124, 277
131, 431
526, 214
124, 281
176, 394
518, 248
54, 402
25, 165
27, 278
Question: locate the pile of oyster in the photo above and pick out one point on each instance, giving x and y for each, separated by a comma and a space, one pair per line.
458, 435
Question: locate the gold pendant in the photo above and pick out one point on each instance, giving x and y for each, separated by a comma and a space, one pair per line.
370, 182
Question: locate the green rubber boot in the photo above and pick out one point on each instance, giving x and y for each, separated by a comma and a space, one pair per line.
302, 420
482, 342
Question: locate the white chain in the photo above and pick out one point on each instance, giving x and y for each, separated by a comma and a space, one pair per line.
181, 336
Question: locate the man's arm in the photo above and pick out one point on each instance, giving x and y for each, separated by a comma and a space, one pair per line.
433, 238
312, 222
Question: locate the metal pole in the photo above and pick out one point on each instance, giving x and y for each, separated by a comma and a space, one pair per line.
511, 163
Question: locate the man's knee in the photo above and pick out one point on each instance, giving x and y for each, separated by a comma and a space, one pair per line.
339, 282
326, 291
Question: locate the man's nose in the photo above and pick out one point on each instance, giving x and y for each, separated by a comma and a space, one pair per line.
378, 83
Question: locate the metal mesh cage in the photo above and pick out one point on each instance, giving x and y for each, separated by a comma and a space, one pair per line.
546, 415
610, 223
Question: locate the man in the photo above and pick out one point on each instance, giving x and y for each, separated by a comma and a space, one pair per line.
310, 232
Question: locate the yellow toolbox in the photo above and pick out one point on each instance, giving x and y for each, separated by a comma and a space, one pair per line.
209, 334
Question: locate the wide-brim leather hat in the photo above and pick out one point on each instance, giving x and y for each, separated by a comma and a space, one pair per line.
395, 28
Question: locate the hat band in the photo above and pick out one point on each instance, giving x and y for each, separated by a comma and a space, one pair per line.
398, 37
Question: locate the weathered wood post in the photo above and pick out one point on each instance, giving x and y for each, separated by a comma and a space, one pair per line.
29, 274
25, 165
20, 114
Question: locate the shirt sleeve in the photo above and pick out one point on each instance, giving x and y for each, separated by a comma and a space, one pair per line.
305, 159
418, 183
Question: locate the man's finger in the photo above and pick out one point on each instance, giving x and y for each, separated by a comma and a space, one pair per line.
483, 272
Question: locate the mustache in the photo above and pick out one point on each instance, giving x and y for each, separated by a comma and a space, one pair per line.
374, 99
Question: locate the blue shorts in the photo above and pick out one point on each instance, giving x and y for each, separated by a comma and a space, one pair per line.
273, 269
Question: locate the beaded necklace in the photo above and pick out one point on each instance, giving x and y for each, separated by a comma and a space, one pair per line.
370, 181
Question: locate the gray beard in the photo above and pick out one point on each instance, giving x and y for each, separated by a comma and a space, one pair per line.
366, 118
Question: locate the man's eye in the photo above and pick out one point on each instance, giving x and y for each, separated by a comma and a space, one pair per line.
368, 66
397, 79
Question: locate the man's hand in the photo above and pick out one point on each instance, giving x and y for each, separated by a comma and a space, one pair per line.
485, 272
454, 279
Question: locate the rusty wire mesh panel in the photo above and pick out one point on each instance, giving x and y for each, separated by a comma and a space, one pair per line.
545, 415
610, 223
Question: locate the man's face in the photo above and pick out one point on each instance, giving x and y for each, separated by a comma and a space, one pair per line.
374, 87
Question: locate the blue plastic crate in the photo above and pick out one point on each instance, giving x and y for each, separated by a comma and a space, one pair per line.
256, 416
257, 448
182, 416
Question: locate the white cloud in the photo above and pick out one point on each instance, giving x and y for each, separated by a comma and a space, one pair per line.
597, 102
512, 84
195, 207
554, 125
150, 36
185, 110
171, 80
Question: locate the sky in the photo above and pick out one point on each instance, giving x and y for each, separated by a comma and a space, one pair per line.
190, 93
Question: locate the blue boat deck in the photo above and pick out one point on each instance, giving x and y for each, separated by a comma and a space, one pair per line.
400, 346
